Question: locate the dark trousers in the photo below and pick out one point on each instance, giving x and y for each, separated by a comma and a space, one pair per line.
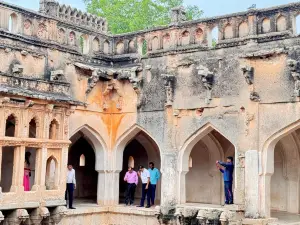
69, 194
145, 192
152, 189
129, 197
228, 192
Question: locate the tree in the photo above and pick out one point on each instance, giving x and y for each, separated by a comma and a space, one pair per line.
132, 15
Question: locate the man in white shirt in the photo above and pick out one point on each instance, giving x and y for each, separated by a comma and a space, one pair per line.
145, 177
71, 185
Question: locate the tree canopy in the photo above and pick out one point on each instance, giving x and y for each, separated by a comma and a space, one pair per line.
132, 15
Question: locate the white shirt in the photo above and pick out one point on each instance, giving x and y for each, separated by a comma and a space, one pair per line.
145, 175
71, 177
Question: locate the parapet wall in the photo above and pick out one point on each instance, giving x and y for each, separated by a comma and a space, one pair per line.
224, 31
84, 33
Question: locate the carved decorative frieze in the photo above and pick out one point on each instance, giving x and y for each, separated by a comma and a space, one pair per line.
17, 69
36, 143
295, 72
248, 74
169, 82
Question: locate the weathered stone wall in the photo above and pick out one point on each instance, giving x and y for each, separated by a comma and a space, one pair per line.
238, 96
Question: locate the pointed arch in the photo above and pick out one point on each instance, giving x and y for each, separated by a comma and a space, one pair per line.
288, 136
13, 23
54, 129
190, 142
11, 125
137, 143
33, 128
52, 173
204, 146
126, 138
95, 140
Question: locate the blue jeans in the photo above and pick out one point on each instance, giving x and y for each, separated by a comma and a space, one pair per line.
145, 192
152, 189
228, 192
69, 194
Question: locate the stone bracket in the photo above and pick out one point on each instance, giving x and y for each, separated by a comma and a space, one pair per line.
169, 83
58, 75
207, 78
295, 72
248, 73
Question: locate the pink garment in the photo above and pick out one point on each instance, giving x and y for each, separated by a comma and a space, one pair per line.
131, 177
26, 180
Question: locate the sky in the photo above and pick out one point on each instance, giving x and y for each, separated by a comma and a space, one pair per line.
210, 8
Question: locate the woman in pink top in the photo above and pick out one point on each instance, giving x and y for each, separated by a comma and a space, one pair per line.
132, 180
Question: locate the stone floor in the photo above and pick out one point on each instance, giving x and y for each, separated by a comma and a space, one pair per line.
89, 205
286, 218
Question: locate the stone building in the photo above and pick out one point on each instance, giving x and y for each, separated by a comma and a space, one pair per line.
177, 95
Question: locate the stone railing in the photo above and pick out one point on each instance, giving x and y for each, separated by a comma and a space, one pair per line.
72, 15
58, 26
254, 25
86, 33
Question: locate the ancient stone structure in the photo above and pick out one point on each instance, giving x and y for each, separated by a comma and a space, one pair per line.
71, 92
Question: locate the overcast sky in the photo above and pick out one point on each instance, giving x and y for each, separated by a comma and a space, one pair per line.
210, 8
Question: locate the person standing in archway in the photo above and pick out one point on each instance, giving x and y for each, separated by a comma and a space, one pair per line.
27, 172
228, 178
154, 177
145, 177
71, 185
131, 178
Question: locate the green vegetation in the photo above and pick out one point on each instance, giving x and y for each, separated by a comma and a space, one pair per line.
132, 15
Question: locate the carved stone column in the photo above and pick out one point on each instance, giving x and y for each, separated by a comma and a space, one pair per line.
169, 81
169, 184
207, 78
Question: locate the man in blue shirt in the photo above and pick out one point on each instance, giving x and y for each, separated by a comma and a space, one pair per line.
154, 177
227, 175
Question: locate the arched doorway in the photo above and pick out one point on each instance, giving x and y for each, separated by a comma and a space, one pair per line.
138, 149
86, 175
281, 173
285, 179
200, 180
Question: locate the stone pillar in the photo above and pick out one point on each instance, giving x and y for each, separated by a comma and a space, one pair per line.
181, 190
42, 168
101, 188
265, 197
251, 184
63, 168
239, 190
169, 184
38, 165
252, 21
0, 167
111, 187
18, 169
